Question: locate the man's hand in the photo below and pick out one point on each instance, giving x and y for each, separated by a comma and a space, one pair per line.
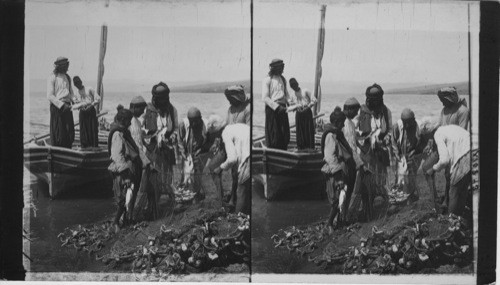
66, 107
281, 109
218, 170
430, 171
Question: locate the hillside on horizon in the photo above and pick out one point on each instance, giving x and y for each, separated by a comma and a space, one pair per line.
328, 87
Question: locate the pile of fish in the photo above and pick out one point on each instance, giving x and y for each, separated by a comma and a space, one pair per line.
90, 238
397, 195
302, 241
183, 195
428, 244
215, 242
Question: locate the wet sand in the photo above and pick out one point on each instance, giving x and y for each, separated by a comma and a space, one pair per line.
50, 261
270, 216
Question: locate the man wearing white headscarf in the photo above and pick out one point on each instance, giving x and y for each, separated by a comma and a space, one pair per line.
236, 142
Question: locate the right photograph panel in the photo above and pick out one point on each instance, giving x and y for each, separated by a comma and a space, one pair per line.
364, 157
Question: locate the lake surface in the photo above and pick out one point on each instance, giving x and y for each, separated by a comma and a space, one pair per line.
422, 106
37, 116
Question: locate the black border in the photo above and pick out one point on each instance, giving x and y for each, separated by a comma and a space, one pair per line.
11, 134
489, 35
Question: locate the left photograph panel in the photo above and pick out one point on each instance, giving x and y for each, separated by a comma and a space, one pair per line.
137, 141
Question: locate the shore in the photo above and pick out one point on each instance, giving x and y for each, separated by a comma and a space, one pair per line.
268, 259
52, 262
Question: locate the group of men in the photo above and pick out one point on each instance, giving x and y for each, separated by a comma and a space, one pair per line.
63, 101
147, 140
360, 142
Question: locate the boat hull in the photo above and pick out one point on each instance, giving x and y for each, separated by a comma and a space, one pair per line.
63, 169
279, 171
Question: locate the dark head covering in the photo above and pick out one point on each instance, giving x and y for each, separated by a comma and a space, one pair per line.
235, 94
160, 90
337, 115
407, 114
193, 113
276, 62
138, 101
61, 60
351, 103
123, 114
374, 92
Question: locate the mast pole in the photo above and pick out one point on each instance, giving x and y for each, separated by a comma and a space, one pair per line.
319, 57
100, 68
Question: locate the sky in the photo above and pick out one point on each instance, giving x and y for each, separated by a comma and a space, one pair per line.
397, 42
189, 41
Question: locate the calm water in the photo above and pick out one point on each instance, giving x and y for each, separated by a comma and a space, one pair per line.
83, 206
37, 117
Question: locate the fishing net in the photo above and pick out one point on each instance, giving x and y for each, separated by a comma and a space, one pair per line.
428, 243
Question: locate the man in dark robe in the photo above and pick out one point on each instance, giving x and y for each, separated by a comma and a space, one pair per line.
61, 97
375, 125
276, 98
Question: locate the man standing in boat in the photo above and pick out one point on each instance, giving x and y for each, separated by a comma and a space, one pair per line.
375, 125
87, 99
161, 125
302, 103
236, 143
61, 97
276, 98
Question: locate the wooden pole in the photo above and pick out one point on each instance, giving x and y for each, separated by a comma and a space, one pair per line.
319, 57
100, 68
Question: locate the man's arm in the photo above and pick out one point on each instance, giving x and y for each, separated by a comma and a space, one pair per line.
232, 156
266, 96
444, 158
463, 119
330, 146
51, 93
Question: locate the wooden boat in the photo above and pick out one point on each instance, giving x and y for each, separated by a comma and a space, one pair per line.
63, 168
279, 171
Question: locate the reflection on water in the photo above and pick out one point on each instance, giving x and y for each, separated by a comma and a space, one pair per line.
50, 217
270, 216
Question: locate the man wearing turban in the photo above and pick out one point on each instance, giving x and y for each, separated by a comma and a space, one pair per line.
455, 111
161, 125
193, 145
239, 109
339, 166
375, 125
302, 103
238, 113
407, 145
88, 100
235, 140
61, 97
276, 98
